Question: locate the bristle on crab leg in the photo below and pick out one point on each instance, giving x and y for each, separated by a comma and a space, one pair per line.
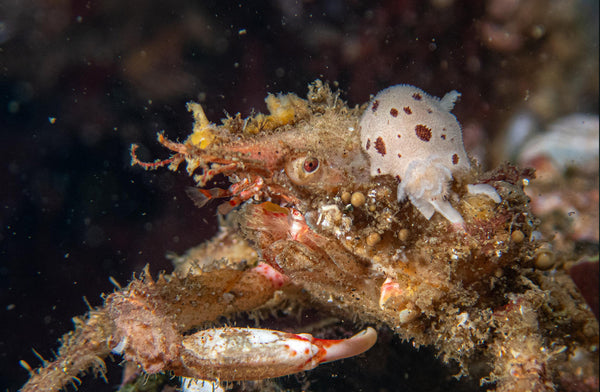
235, 354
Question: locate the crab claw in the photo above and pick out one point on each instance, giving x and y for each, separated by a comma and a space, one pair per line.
235, 354
334, 350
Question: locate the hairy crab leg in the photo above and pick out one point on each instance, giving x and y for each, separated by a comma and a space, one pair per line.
152, 165
236, 354
241, 192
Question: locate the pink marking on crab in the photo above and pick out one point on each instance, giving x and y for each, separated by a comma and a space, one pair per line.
389, 289
235, 354
276, 278
285, 220
298, 226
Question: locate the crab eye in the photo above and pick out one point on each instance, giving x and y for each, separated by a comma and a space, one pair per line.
304, 170
310, 165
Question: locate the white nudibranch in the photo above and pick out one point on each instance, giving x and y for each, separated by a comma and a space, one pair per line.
413, 136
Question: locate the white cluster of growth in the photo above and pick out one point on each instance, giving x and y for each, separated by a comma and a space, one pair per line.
413, 136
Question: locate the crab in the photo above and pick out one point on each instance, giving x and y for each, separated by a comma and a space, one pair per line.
305, 223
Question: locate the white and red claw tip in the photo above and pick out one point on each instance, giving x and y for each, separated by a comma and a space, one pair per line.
345, 348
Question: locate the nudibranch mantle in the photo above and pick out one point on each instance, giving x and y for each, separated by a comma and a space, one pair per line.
414, 137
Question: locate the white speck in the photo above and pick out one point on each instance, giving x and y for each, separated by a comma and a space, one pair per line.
228, 298
535, 236
119, 348
462, 319
406, 315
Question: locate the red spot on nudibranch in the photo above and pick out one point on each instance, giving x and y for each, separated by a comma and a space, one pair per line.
378, 171
380, 146
394, 112
368, 144
306, 351
399, 136
399, 156
417, 96
375, 106
443, 137
398, 179
423, 132
455, 159
407, 110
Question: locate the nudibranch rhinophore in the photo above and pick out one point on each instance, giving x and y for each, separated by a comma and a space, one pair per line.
414, 137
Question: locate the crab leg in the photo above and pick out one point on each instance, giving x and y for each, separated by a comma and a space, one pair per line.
234, 354
152, 165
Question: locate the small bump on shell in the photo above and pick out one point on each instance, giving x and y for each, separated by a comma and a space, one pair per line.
346, 197
517, 236
373, 239
544, 257
358, 199
403, 234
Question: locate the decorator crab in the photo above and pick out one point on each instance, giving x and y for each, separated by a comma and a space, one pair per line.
307, 221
